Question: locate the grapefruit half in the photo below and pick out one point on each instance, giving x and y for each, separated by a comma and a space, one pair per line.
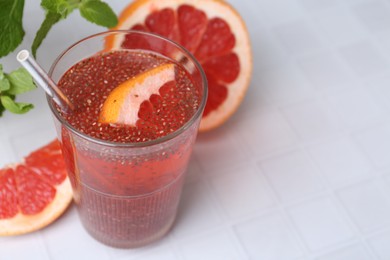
214, 32
35, 192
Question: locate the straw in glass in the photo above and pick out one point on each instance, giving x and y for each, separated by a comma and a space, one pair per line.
43, 80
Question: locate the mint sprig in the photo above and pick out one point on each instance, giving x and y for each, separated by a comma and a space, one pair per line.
12, 84
17, 108
95, 11
12, 33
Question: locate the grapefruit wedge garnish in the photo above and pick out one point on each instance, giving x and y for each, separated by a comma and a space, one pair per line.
213, 31
34, 193
123, 103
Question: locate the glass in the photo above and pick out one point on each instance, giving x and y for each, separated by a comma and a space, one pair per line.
127, 194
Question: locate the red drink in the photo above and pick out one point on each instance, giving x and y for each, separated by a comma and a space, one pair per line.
127, 180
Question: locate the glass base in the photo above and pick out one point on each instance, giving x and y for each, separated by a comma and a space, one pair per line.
103, 238
129, 222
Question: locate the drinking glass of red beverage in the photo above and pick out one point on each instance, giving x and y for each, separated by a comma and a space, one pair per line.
127, 178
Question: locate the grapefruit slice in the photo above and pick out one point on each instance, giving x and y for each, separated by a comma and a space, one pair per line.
213, 31
123, 103
34, 193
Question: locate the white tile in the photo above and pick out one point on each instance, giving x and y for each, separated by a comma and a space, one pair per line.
194, 170
256, 99
310, 120
219, 149
254, 21
151, 254
356, 108
242, 191
79, 243
321, 223
352, 3
270, 132
383, 40
5, 238
319, 5
376, 143
375, 15
24, 144
292, 175
297, 37
387, 180
32, 27
285, 84
364, 58
380, 245
379, 88
339, 25
29, 246
277, 11
270, 55
197, 211
355, 252
341, 161
269, 237
367, 205
160, 248
215, 245
325, 71
2, 129
7, 153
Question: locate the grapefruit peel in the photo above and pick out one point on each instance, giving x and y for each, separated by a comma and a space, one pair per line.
123, 103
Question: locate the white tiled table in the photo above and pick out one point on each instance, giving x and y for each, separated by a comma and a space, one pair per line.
301, 171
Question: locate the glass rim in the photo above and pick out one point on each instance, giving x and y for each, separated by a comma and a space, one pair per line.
149, 143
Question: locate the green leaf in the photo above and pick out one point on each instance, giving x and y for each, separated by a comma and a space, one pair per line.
50, 19
62, 7
98, 12
51, 5
11, 33
21, 82
15, 107
4, 83
2, 108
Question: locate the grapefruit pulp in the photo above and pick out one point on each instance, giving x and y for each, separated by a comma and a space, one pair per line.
35, 192
124, 102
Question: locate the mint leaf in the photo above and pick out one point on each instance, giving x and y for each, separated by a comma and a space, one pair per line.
11, 33
51, 5
4, 83
20, 81
2, 109
98, 12
15, 107
17, 82
62, 7
1, 72
50, 19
